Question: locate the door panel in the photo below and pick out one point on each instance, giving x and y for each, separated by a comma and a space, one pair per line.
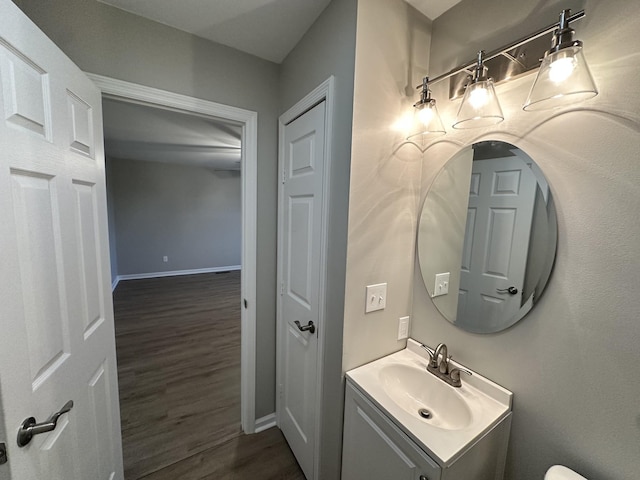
88, 256
100, 397
499, 242
296, 394
80, 125
496, 239
56, 316
39, 257
300, 257
301, 200
25, 89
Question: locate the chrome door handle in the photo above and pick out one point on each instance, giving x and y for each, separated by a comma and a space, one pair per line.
308, 327
511, 290
29, 427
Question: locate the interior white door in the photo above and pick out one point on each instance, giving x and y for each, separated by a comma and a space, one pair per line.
494, 258
301, 214
56, 317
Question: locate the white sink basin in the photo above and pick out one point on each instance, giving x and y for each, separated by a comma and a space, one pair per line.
421, 394
400, 385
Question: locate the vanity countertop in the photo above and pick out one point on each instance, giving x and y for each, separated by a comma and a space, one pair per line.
488, 403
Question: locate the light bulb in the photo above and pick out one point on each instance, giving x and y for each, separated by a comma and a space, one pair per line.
425, 114
561, 69
478, 97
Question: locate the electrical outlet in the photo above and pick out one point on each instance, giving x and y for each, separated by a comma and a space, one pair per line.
403, 328
165, 259
442, 284
376, 297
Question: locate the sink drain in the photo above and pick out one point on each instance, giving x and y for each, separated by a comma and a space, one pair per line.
424, 413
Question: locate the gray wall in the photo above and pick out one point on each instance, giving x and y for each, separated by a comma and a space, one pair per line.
111, 217
107, 41
391, 58
573, 363
191, 214
328, 48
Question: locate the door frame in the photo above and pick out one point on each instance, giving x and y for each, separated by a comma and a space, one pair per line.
323, 92
248, 119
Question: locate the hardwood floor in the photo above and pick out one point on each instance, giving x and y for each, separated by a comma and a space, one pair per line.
178, 349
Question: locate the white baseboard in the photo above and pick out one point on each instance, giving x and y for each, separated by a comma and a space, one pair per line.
114, 283
265, 422
173, 273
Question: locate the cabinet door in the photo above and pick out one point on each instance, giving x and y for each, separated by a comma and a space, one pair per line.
375, 449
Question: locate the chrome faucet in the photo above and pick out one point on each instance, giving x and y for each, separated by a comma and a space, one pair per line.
439, 366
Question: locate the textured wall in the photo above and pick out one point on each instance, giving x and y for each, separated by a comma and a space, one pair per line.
391, 57
190, 214
108, 41
572, 363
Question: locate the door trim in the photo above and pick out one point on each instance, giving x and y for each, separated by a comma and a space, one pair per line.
248, 119
324, 91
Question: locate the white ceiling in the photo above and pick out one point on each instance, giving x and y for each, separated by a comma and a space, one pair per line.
266, 28
432, 8
139, 132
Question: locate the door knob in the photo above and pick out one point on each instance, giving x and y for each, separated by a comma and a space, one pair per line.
29, 427
308, 327
511, 290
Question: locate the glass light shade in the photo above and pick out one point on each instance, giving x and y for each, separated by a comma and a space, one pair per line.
427, 121
479, 107
563, 78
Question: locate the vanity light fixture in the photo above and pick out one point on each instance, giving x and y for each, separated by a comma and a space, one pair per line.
426, 117
564, 76
480, 106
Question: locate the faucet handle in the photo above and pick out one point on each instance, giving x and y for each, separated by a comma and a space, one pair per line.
432, 358
455, 374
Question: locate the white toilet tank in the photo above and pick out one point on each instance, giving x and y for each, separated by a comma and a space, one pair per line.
558, 472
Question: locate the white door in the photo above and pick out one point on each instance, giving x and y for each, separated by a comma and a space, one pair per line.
300, 272
494, 258
56, 317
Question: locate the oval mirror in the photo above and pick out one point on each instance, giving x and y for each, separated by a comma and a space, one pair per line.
487, 237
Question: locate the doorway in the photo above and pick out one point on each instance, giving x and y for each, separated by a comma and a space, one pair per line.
248, 121
174, 202
233, 167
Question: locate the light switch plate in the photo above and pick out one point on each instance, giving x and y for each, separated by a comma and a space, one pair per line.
376, 297
442, 284
403, 328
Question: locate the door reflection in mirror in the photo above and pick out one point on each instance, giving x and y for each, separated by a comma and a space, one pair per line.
489, 219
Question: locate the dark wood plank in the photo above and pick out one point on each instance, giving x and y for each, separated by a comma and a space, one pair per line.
178, 349
263, 456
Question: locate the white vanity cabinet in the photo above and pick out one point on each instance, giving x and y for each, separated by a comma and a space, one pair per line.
376, 449
385, 438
